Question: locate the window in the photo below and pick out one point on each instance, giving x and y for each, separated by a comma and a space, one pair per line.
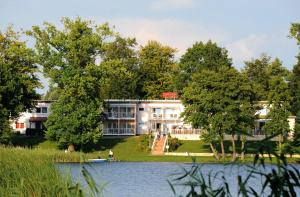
20, 125
44, 110
141, 109
156, 110
17, 125
38, 110
32, 125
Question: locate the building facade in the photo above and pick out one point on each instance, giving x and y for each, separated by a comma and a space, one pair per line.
135, 117
32, 119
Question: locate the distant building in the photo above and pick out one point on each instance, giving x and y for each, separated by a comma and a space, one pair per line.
135, 117
33, 119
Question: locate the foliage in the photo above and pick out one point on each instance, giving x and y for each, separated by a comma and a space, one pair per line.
173, 143
156, 69
219, 102
144, 141
260, 70
279, 105
17, 80
27, 173
68, 58
200, 56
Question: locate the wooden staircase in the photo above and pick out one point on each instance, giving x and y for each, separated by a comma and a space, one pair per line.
158, 148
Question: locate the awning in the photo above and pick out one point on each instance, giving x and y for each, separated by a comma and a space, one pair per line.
37, 119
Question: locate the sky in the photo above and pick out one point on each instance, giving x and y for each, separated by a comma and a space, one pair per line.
246, 28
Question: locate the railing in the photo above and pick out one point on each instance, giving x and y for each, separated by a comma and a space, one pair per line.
257, 132
121, 115
154, 141
118, 131
165, 116
186, 131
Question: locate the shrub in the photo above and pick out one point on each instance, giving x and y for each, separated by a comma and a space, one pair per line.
144, 141
173, 143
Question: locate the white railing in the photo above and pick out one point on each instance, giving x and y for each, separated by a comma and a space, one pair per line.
154, 141
127, 115
165, 116
186, 131
165, 142
118, 131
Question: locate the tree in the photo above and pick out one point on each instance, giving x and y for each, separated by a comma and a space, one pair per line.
219, 102
295, 90
120, 69
156, 68
18, 80
68, 58
260, 70
200, 56
279, 104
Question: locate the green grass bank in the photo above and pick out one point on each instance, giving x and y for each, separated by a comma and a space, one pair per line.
131, 149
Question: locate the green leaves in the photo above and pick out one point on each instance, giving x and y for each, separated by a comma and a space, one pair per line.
18, 79
156, 70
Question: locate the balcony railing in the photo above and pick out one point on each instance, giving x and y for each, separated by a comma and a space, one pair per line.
119, 131
186, 131
125, 115
165, 116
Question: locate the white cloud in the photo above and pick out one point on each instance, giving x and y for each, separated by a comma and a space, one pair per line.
171, 4
247, 48
175, 33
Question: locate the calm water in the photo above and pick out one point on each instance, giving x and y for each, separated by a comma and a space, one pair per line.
136, 179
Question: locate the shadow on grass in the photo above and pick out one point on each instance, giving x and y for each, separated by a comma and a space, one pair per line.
27, 141
103, 144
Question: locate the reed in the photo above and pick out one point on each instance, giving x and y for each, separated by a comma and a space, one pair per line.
26, 172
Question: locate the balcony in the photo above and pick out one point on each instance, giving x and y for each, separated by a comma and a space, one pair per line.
164, 116
121, 115
186, 131
119, 131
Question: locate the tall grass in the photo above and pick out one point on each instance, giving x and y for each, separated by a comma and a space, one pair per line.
25, 172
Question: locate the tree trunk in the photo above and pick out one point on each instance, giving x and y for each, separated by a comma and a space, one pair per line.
280, 140
233, 148
244, 140
243, 150
222, 148
215, 152
71, 148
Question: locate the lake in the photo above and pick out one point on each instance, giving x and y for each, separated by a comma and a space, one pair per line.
136, 179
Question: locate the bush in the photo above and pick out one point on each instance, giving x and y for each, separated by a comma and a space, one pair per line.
173, 143
144, 141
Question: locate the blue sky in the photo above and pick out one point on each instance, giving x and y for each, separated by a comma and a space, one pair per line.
246, 28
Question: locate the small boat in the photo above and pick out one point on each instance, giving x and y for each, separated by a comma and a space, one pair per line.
97, 160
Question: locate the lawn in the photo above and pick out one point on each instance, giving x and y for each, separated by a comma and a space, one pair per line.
197, 146
126, 149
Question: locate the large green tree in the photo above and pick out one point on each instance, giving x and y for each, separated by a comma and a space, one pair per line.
18, 80
69, 59
279, 104
120, 68
200, 56
219, 102
156, 69
261, 70
295, 89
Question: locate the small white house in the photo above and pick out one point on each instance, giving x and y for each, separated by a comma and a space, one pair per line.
32, 119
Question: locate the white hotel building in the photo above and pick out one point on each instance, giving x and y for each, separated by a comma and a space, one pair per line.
135, 117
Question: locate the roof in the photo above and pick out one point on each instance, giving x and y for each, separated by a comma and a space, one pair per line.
140, 101
37, 119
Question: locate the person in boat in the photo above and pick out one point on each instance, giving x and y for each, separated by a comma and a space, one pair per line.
110, 154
